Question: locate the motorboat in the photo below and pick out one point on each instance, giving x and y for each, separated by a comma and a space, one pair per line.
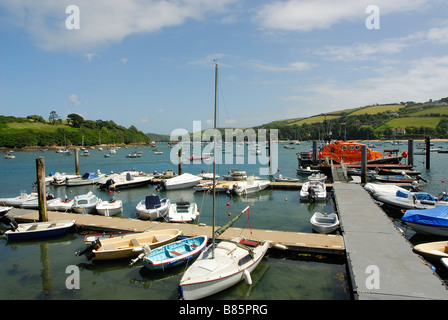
85, 203
61, 205
203, 186
249, 186
207, 175
172, 254
185, 180
350, 152
121, 181
313, 190
437, 249
307, 170
152, 208
377, 189
109, 208
281, 178
86, 179
235, 175
183, 211
17, 201
324, 223
39, 229
34, 203
413, 200
128, 246
4, 210
432, 221
60, 178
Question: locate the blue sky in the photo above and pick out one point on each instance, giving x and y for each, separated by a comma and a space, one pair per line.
150, 63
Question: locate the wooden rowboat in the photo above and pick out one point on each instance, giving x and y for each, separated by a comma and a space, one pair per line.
432, 249
128, 246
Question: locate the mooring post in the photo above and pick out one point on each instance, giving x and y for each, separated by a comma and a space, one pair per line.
76, 161
179, 154
428, 152
363, 163
314, 152
411, 152
42, 200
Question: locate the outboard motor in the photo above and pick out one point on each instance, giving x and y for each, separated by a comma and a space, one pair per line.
311, 195
94, 245
107, 184
9, 221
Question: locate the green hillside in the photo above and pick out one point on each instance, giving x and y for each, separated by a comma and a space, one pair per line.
374, 122
35, 131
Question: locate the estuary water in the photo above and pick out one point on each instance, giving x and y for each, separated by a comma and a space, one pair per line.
35, 270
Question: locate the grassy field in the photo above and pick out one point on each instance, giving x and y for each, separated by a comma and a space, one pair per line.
315, 119
377, 109
418, 122
36, 126
442, 110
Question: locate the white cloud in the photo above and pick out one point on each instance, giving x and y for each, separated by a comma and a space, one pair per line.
124, 60
294, 66
307, 15
102, 22
90, 56
75, 100
424, 79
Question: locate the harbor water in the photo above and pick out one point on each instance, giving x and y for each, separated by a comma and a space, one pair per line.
35, 270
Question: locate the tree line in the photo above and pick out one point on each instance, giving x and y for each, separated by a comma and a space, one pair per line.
73, 131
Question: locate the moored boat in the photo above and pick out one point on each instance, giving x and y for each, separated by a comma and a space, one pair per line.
249, 186
17, 201
437, 249
128, 246
39, 229
152, 208
350, 152
172, 254
183, 211
85, 203
86, 179
432, 221
185, 180
324, 223
109, 208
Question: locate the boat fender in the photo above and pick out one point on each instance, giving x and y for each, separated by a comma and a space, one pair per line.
247, 277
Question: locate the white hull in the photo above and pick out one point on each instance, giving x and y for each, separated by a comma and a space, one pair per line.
107, 209
431, 230
183, 181
83, 182
34, 204
207, 276
324, 226
187, 213
61, 205
318, 187
17, 201
144, 213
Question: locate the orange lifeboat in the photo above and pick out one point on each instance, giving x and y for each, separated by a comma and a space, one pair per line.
349, 152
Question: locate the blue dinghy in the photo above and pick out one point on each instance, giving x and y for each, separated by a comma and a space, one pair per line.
428, 221
173, 254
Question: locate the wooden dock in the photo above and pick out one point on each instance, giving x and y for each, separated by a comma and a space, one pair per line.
381, 261
304, 242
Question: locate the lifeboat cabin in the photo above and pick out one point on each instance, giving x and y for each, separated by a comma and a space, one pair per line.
350, 152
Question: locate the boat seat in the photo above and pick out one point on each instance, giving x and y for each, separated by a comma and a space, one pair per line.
325, 218
134, 243
175, 253
51, 225
109, 246
33, 227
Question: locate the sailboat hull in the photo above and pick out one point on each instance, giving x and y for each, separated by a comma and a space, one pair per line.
213, 275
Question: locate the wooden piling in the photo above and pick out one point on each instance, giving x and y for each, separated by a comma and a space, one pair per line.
77, 161
428, 153
179, 154
42, 200
363, 164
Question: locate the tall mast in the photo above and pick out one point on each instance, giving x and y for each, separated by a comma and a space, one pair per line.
214, 160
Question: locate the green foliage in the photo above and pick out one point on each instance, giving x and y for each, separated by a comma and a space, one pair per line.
24, 132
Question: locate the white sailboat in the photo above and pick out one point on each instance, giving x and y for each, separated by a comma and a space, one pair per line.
222, 264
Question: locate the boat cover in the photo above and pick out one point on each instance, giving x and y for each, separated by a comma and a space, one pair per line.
152, 202
90, 175
437, 216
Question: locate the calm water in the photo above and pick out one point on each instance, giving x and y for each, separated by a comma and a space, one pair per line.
37, 269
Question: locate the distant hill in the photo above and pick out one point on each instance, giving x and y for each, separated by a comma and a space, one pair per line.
158, 137
402, 120
18, 132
